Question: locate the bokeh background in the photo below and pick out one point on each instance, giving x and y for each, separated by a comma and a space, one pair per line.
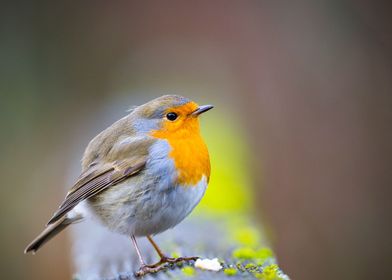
302, 89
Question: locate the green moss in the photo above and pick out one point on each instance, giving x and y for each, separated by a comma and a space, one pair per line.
264, 253
270, 272
256, 256
230, 271
188, 271
245, 253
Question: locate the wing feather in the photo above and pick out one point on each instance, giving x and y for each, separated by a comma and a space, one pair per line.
95, 182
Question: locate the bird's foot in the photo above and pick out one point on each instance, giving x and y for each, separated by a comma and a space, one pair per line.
168, 260
146, 269
177, 260
162, 264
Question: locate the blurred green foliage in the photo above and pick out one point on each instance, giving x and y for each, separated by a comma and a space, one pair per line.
230, 184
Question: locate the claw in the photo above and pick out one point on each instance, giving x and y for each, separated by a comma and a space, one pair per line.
161, 265
177, 260
146, 269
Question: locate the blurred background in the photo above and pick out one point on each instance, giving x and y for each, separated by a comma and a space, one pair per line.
302, 90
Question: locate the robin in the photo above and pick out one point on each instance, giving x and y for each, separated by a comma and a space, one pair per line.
141, 176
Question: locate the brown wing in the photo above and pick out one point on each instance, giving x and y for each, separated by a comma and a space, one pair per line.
97, 180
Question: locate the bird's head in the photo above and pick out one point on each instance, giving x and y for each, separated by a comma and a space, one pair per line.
171, 116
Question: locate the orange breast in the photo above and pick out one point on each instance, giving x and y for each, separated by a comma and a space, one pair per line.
189, 152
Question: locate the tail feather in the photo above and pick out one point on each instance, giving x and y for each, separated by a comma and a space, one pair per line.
48, 233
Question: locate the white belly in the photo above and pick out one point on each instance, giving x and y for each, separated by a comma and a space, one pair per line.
152, 211
151, 201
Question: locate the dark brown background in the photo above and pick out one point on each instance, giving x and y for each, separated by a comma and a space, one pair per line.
311, 81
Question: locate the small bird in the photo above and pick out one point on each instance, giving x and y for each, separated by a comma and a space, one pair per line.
141, 176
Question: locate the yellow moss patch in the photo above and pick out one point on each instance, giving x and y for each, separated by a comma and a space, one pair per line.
230, 271
246, 253
270, 272
264, 253
188, 271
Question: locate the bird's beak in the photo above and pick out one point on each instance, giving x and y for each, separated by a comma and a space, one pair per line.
201, 110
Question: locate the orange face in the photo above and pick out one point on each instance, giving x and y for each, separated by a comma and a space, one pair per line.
184, 122
189, 152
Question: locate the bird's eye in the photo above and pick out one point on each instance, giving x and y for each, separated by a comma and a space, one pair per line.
171, 116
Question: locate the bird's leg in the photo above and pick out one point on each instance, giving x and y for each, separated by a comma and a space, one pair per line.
164, 258
142, 263
156, 247
144, 269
